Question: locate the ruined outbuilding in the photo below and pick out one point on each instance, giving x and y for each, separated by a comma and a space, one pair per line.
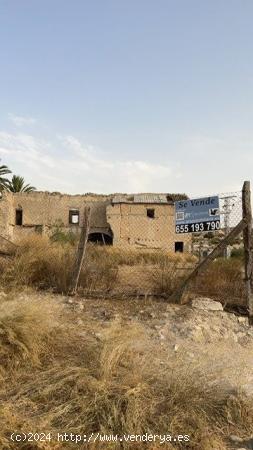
138, 220
146, 221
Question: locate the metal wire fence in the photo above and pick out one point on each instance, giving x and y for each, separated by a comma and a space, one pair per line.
230, 205
133, 248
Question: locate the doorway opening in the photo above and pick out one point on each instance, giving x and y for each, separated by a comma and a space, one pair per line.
19, 217
179, 247
100, 238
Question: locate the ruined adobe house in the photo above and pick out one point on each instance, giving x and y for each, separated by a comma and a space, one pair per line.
24, 213
146, 221
139, 220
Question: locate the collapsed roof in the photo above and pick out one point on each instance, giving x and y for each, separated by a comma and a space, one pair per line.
149, 198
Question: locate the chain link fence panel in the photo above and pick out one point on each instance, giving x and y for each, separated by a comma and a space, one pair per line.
133, 248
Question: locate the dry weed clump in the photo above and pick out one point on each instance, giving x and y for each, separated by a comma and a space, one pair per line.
119, 386
26, 331
132, 257
45, 264
222, 280
99, 272
40, 263
166, 278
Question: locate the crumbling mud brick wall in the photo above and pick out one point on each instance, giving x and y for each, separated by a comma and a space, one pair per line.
5, 213
145, 225
43, 211
127, 223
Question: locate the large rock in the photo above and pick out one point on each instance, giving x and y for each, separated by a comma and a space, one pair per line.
245, 444
207, 304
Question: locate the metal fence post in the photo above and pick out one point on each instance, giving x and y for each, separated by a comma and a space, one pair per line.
247, 232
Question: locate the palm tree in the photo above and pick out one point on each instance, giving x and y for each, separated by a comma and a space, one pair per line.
4, 170
17, 184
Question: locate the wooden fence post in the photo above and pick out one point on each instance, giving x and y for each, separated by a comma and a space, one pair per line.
176, 296
81, 250
247, 235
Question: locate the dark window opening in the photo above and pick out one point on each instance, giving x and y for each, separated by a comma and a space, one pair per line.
74, 216
100, 238
179, 247
19, 217
151, 213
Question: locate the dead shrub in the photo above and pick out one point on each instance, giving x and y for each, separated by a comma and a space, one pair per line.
99, 272
166, 278
41, 264
26, 329
44, 264
222, 280
131, 257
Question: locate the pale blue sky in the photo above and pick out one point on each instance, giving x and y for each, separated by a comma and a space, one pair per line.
133, 95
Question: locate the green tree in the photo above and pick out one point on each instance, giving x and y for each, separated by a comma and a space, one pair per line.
17, 184
4, 170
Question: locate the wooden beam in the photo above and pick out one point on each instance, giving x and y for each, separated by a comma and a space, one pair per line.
81, 250
247, 240
8, 241
176, 296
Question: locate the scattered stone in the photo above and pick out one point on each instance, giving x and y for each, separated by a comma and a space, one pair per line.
70, 301
176, 347
197, 335
207, 304
247, 443
162, 337
98, 336
240, 334
235, 438
242, 319
106, 315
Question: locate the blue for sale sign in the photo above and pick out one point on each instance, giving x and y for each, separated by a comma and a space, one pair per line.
201, 214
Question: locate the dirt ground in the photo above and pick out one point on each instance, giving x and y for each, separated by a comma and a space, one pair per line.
218, 340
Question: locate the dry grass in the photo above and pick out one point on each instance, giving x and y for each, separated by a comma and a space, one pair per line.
44, 264
222, 280
41, 263
115, 385
134, 257
166, 278
26, 331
